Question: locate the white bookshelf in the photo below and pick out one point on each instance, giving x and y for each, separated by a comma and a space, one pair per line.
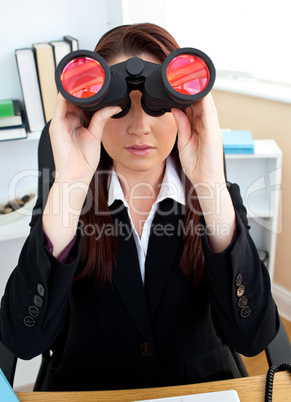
259, 176
15, 230
18, 161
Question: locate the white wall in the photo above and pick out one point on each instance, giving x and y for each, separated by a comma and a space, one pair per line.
24, 22
183, 19
249, 37
154, 11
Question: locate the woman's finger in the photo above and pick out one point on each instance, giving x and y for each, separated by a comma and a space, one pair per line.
99, 120
62, 107
182, 121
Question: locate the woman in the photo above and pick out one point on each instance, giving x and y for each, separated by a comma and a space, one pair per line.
140, 269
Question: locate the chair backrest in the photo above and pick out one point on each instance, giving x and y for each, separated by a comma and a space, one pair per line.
7, 363
279, 350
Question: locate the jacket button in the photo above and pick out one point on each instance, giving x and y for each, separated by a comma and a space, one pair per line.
245, 312
238, 280
33, 311
240, 290
40, 289
29, 321
242, 301
37, 300
146, 349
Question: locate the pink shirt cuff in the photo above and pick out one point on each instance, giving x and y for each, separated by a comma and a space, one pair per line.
66, 256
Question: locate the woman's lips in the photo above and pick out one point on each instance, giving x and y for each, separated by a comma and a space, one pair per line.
139, 150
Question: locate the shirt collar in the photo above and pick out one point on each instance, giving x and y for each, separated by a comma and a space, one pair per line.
171, 186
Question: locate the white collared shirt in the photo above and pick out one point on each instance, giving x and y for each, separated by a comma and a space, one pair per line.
171, 187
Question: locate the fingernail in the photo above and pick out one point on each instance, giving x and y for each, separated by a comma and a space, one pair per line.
118, 111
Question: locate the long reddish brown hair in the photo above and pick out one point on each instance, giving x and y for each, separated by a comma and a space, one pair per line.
99, 256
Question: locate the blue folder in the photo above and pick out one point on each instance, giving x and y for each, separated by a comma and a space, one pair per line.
238, 142
6, 392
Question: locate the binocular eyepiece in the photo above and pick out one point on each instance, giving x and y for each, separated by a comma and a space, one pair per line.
84, 79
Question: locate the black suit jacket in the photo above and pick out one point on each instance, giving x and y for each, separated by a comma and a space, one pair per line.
166, 332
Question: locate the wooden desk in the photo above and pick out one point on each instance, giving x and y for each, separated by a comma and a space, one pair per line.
249, 389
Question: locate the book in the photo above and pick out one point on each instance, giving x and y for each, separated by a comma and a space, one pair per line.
60, 49
16, 131
12, 120
6, 108
74, 43
238, 142
6, 391
45, 63
13, 133
28, 77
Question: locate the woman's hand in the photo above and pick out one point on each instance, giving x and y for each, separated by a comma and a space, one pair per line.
201, 156
200, 148
76, 149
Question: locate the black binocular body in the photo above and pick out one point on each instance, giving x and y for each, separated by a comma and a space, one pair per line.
85, 79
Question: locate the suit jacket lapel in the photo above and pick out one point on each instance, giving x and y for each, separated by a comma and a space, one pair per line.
162, 249
126, 275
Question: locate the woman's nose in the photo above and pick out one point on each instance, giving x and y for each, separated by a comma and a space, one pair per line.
139, 121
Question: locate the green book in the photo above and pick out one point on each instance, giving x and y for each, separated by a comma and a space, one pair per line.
6, 108
16, 119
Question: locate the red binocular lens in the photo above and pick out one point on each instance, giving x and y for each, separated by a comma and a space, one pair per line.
85, 79
188, 74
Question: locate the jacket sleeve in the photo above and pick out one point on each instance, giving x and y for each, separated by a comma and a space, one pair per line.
243, 309
36, 295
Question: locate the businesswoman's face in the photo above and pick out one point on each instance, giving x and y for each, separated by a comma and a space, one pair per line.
139, 142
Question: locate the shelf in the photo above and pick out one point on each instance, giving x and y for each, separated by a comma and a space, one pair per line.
33, 136
15, 230
259, 206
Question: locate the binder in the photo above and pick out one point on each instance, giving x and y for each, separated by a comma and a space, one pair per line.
6, 392
238, 142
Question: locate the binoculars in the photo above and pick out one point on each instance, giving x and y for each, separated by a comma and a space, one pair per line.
85, 79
